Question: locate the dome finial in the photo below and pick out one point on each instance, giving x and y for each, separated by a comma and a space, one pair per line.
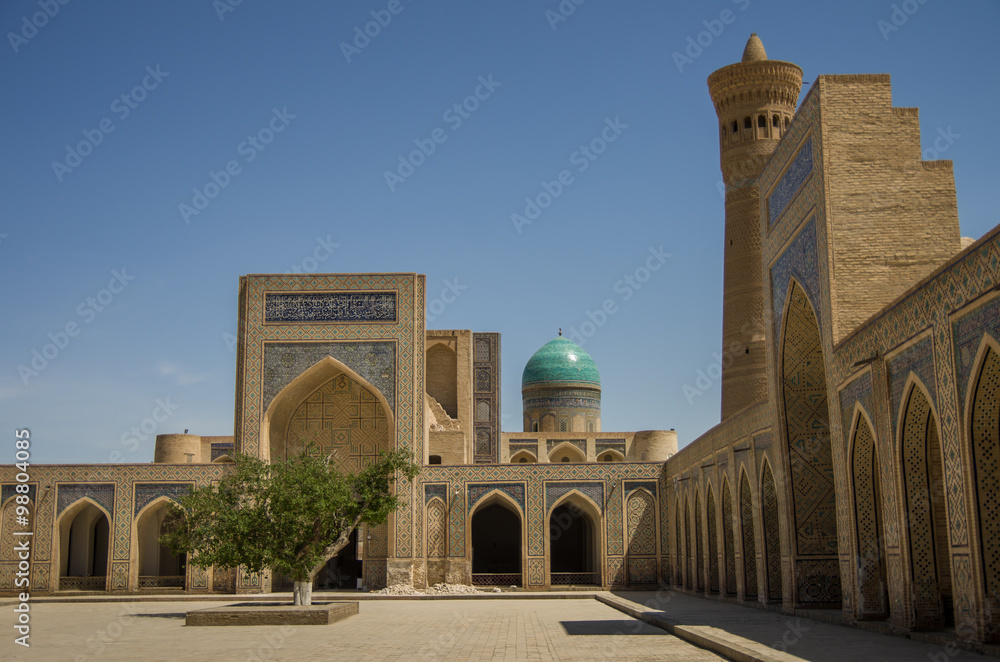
754, 50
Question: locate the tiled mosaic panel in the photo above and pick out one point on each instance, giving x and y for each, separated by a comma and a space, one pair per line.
616, 571
807, 421
871, 568
601, 445
198, 578
437, 529
536, 572
342, 418
729, 538
294, 307
800, 261
100, 493
649, 485
772, 535
145, 493
699, 551
514, 490
920, 495
968, 333
713, 542
220, 449
486, 371
9, 490
376, 573
374, 361
555, 491
818, 581
119, 576
679, 560
438, 490
613, 510
966, 614
40, 574
918, 359
456, 526
552, 444
799, 169
986, 448
641, 519
664, 518
688, 555
641, 571
378, 542
749, 544
11, 522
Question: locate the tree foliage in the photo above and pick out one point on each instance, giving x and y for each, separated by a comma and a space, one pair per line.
291, 517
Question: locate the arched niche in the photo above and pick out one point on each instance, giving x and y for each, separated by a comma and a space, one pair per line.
523, 457
84, 530
373, 418
497, 535
568, 451
441, 375
574, 538
157, 566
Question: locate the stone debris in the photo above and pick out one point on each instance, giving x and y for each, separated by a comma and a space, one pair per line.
437, 589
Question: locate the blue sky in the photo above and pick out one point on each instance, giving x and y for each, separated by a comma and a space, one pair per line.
101, 243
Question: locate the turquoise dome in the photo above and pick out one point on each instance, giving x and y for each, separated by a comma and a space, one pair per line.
560, 360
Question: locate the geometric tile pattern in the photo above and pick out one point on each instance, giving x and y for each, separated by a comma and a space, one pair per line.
602, 445
10, 490
807, 421
713, 542
146, 492
330, 307
478, 490
641, 519
593, 489
344, 418
818, 581
968, 332
871, 572
437, 529
649, 485
986, 447
799, 261
688, 557
699, 551
925, 533
8, 525
440, 491
641, 571
104, 494
728, 538
749, 544
918, 359
486, 368
798, 170
772, 537
375, 361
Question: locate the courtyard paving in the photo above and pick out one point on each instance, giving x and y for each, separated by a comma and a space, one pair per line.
382, 630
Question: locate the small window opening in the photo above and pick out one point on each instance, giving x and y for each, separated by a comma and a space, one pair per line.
786, 122
434, 459
775, 121
565, 459
736, 126
761, 122
747, 123
523, 460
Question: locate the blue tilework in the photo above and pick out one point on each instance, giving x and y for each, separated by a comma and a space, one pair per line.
147, 492
918, 359
968, 334
636, 484
478, 490
103, 494
11, 490
798, 260
554, 491
790, 183
330, 307
375, 361
438, 490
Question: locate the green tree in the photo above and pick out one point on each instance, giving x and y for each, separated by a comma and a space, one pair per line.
291, 516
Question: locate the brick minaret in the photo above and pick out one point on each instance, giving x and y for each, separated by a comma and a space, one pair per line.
755, 100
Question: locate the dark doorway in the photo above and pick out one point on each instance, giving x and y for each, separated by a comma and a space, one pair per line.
496, 546
343, 571
574, 548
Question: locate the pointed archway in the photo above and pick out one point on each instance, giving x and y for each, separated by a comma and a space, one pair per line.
873, 596
806, 425
84, 541
496, 541
749, 540
158, 567
575, 544
772, 538
984, 434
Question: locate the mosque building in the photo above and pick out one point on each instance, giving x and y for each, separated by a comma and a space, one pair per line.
856, 467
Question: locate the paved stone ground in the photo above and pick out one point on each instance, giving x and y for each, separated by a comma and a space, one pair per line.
383, 630
802, 637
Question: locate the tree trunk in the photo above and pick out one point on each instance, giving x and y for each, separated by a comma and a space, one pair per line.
302, 592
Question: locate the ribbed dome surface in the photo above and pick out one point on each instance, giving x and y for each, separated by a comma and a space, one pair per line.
560, 360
